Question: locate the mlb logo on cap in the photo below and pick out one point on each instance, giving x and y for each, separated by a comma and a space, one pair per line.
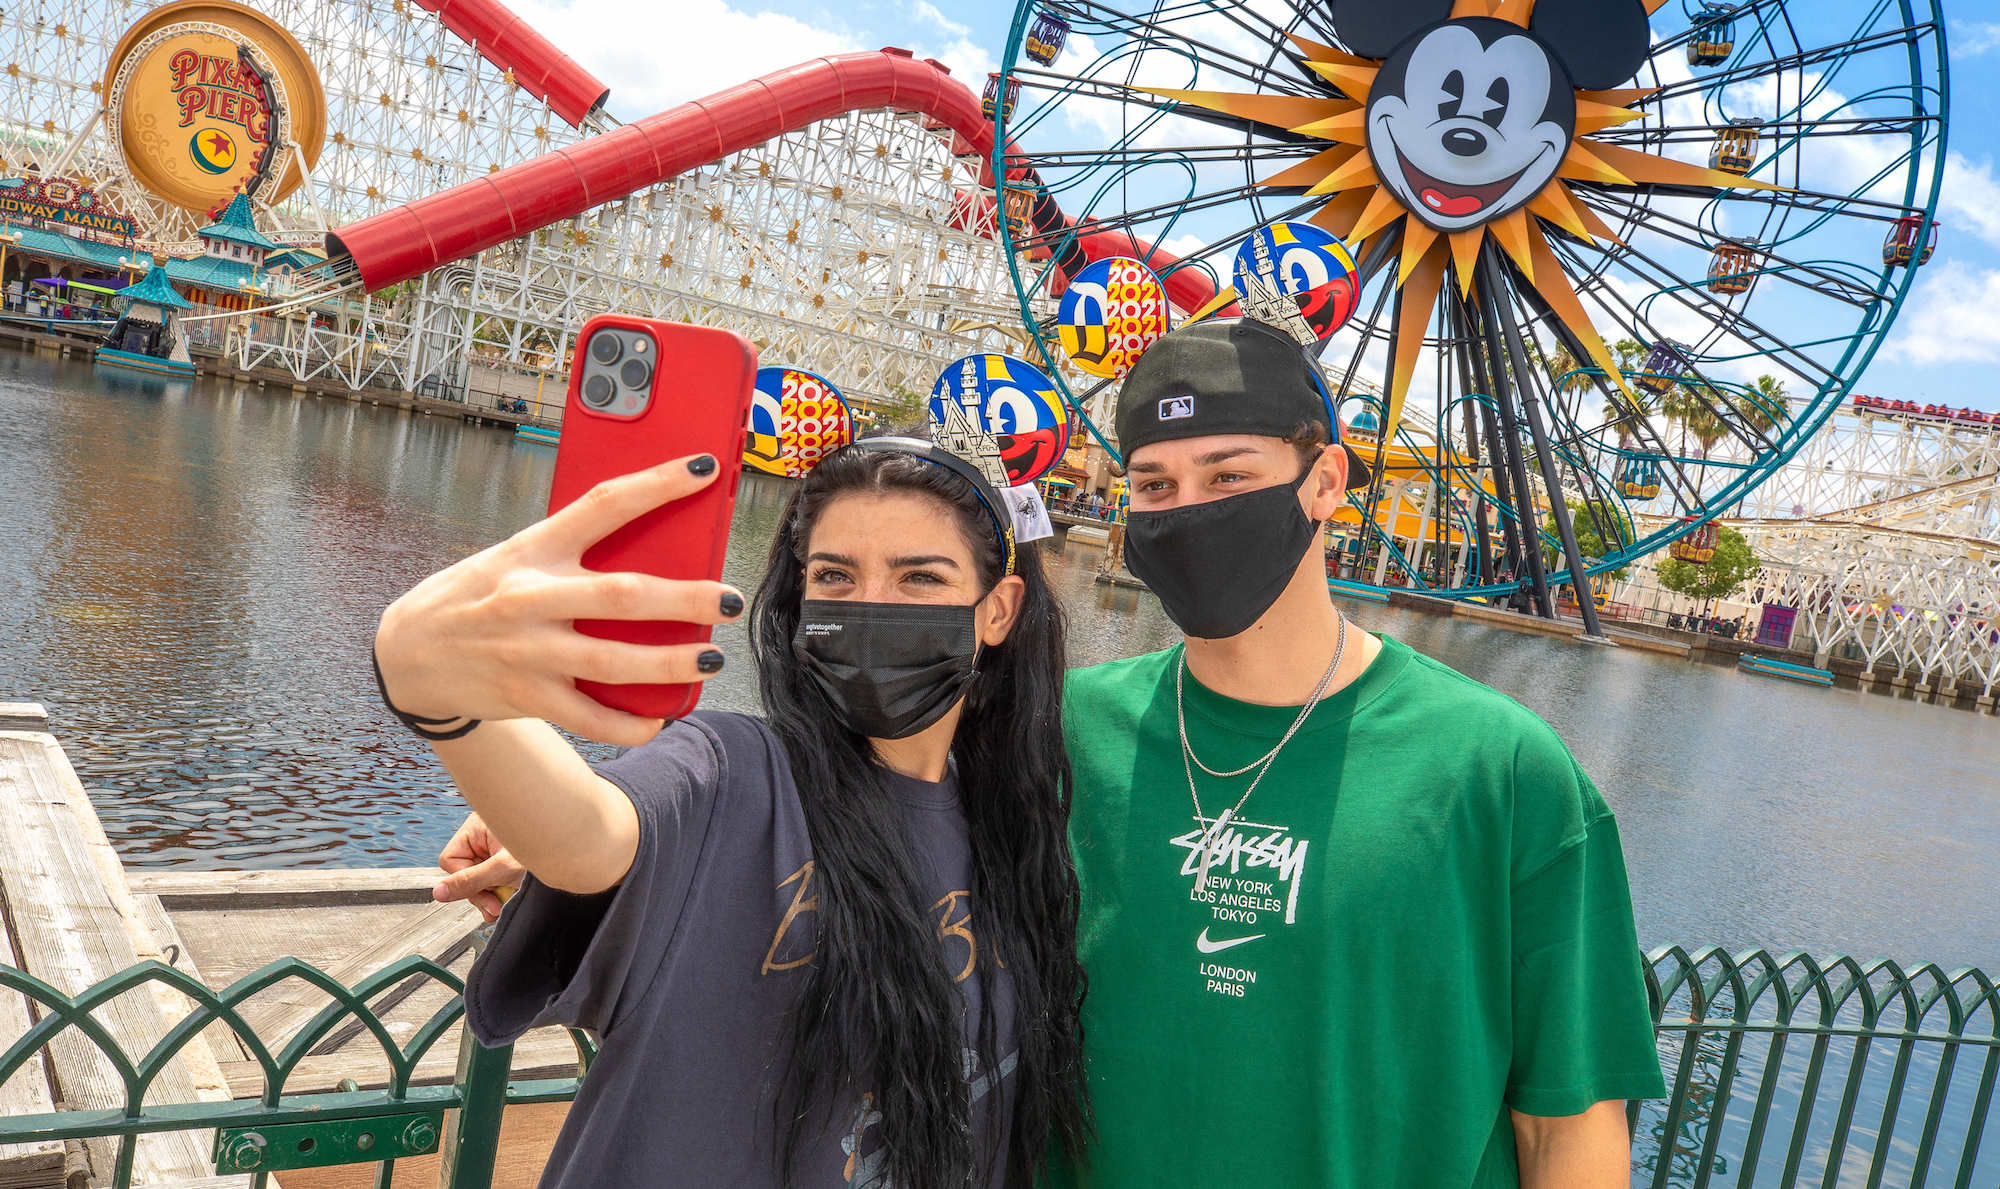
1174, 408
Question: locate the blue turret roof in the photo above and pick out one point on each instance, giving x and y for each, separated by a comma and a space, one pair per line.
1364, 422
154, 287
238, 226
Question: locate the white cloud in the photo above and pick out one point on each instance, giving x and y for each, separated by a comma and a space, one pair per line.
1972, 38
1952, 317
654, 56
926, 11
1971, 197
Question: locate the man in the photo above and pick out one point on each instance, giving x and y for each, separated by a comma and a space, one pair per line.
1349, 918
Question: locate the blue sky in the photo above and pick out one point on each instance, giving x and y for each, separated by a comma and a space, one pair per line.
1944, 348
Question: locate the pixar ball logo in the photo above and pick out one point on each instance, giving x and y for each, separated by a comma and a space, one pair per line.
213, 150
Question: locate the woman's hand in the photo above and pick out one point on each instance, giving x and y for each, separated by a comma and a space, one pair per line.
476, 869
493, 637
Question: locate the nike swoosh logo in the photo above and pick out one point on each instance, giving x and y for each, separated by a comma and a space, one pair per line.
1206, 946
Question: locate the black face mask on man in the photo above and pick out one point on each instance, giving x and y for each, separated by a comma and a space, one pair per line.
890, 669
1219, 566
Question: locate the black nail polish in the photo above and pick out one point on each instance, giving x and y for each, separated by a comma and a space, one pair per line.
702, 464
732, 604
709, 662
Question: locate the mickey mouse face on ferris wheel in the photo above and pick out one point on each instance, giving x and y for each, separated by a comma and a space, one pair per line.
1470, 118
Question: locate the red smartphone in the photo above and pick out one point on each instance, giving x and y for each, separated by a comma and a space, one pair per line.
642, 391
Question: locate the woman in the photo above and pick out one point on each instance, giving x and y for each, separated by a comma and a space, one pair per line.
836, 947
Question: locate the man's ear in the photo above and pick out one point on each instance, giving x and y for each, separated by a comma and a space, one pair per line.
1325, 488
996, 614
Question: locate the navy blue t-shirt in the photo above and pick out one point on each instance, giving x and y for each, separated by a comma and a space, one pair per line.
688, 971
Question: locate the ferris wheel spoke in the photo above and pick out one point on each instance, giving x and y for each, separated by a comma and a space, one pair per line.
1695, 383
1635, 418
1757, 338
1703, 134
1820, 202
1831, 285
1235, 11
1151, 34
1674, 44
1727, 76
1540, 385
1353, 370
1090, 221
1055, 159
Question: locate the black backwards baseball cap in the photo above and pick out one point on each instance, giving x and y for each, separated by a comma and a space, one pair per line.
1227, 376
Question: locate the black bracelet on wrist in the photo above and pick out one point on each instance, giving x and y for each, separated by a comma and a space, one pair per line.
416, 722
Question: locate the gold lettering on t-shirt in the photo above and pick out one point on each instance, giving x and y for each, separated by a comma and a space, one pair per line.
802, 903
954, 919
962, 928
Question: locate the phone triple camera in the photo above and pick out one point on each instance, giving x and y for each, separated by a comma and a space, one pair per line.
618, 371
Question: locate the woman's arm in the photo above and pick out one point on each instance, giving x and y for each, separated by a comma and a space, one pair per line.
569, 827
493, 638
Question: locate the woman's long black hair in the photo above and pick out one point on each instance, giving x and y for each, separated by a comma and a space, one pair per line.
878, 1013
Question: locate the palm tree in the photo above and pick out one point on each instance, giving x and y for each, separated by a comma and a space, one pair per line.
1697, 405
1765, 405
1566, 371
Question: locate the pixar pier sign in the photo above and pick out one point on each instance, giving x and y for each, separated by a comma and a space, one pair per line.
212, 86
207, 99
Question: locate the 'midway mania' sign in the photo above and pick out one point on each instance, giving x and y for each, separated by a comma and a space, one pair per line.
58, 200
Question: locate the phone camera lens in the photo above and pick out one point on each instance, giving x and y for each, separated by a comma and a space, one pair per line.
635, 373
598, 391
605, 348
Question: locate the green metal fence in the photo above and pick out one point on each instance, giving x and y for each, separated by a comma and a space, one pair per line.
1784, 1070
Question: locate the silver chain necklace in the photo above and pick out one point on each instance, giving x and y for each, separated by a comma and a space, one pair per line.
1211, 839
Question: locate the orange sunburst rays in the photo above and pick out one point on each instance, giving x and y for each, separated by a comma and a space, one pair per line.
1361, 210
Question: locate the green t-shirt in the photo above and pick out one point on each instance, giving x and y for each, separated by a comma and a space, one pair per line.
1419, 920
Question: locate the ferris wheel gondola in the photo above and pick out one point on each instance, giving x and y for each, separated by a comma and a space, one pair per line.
1602, 224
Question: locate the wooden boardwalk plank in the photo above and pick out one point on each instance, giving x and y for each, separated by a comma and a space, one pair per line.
72, 931
311, 886
23, 716
24, 1166
442, 932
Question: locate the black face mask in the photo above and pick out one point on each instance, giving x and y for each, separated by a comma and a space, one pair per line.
891, 669
1219, 566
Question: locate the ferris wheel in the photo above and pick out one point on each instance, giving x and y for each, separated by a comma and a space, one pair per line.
1613, 262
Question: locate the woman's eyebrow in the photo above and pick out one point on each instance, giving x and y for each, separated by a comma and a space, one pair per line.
899, 563
838, 559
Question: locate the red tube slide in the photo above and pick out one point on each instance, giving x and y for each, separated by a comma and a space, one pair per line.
539, 67
469, 218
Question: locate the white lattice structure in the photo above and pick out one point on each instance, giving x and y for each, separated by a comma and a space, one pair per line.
835, 248
1863, 456
1897, 563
